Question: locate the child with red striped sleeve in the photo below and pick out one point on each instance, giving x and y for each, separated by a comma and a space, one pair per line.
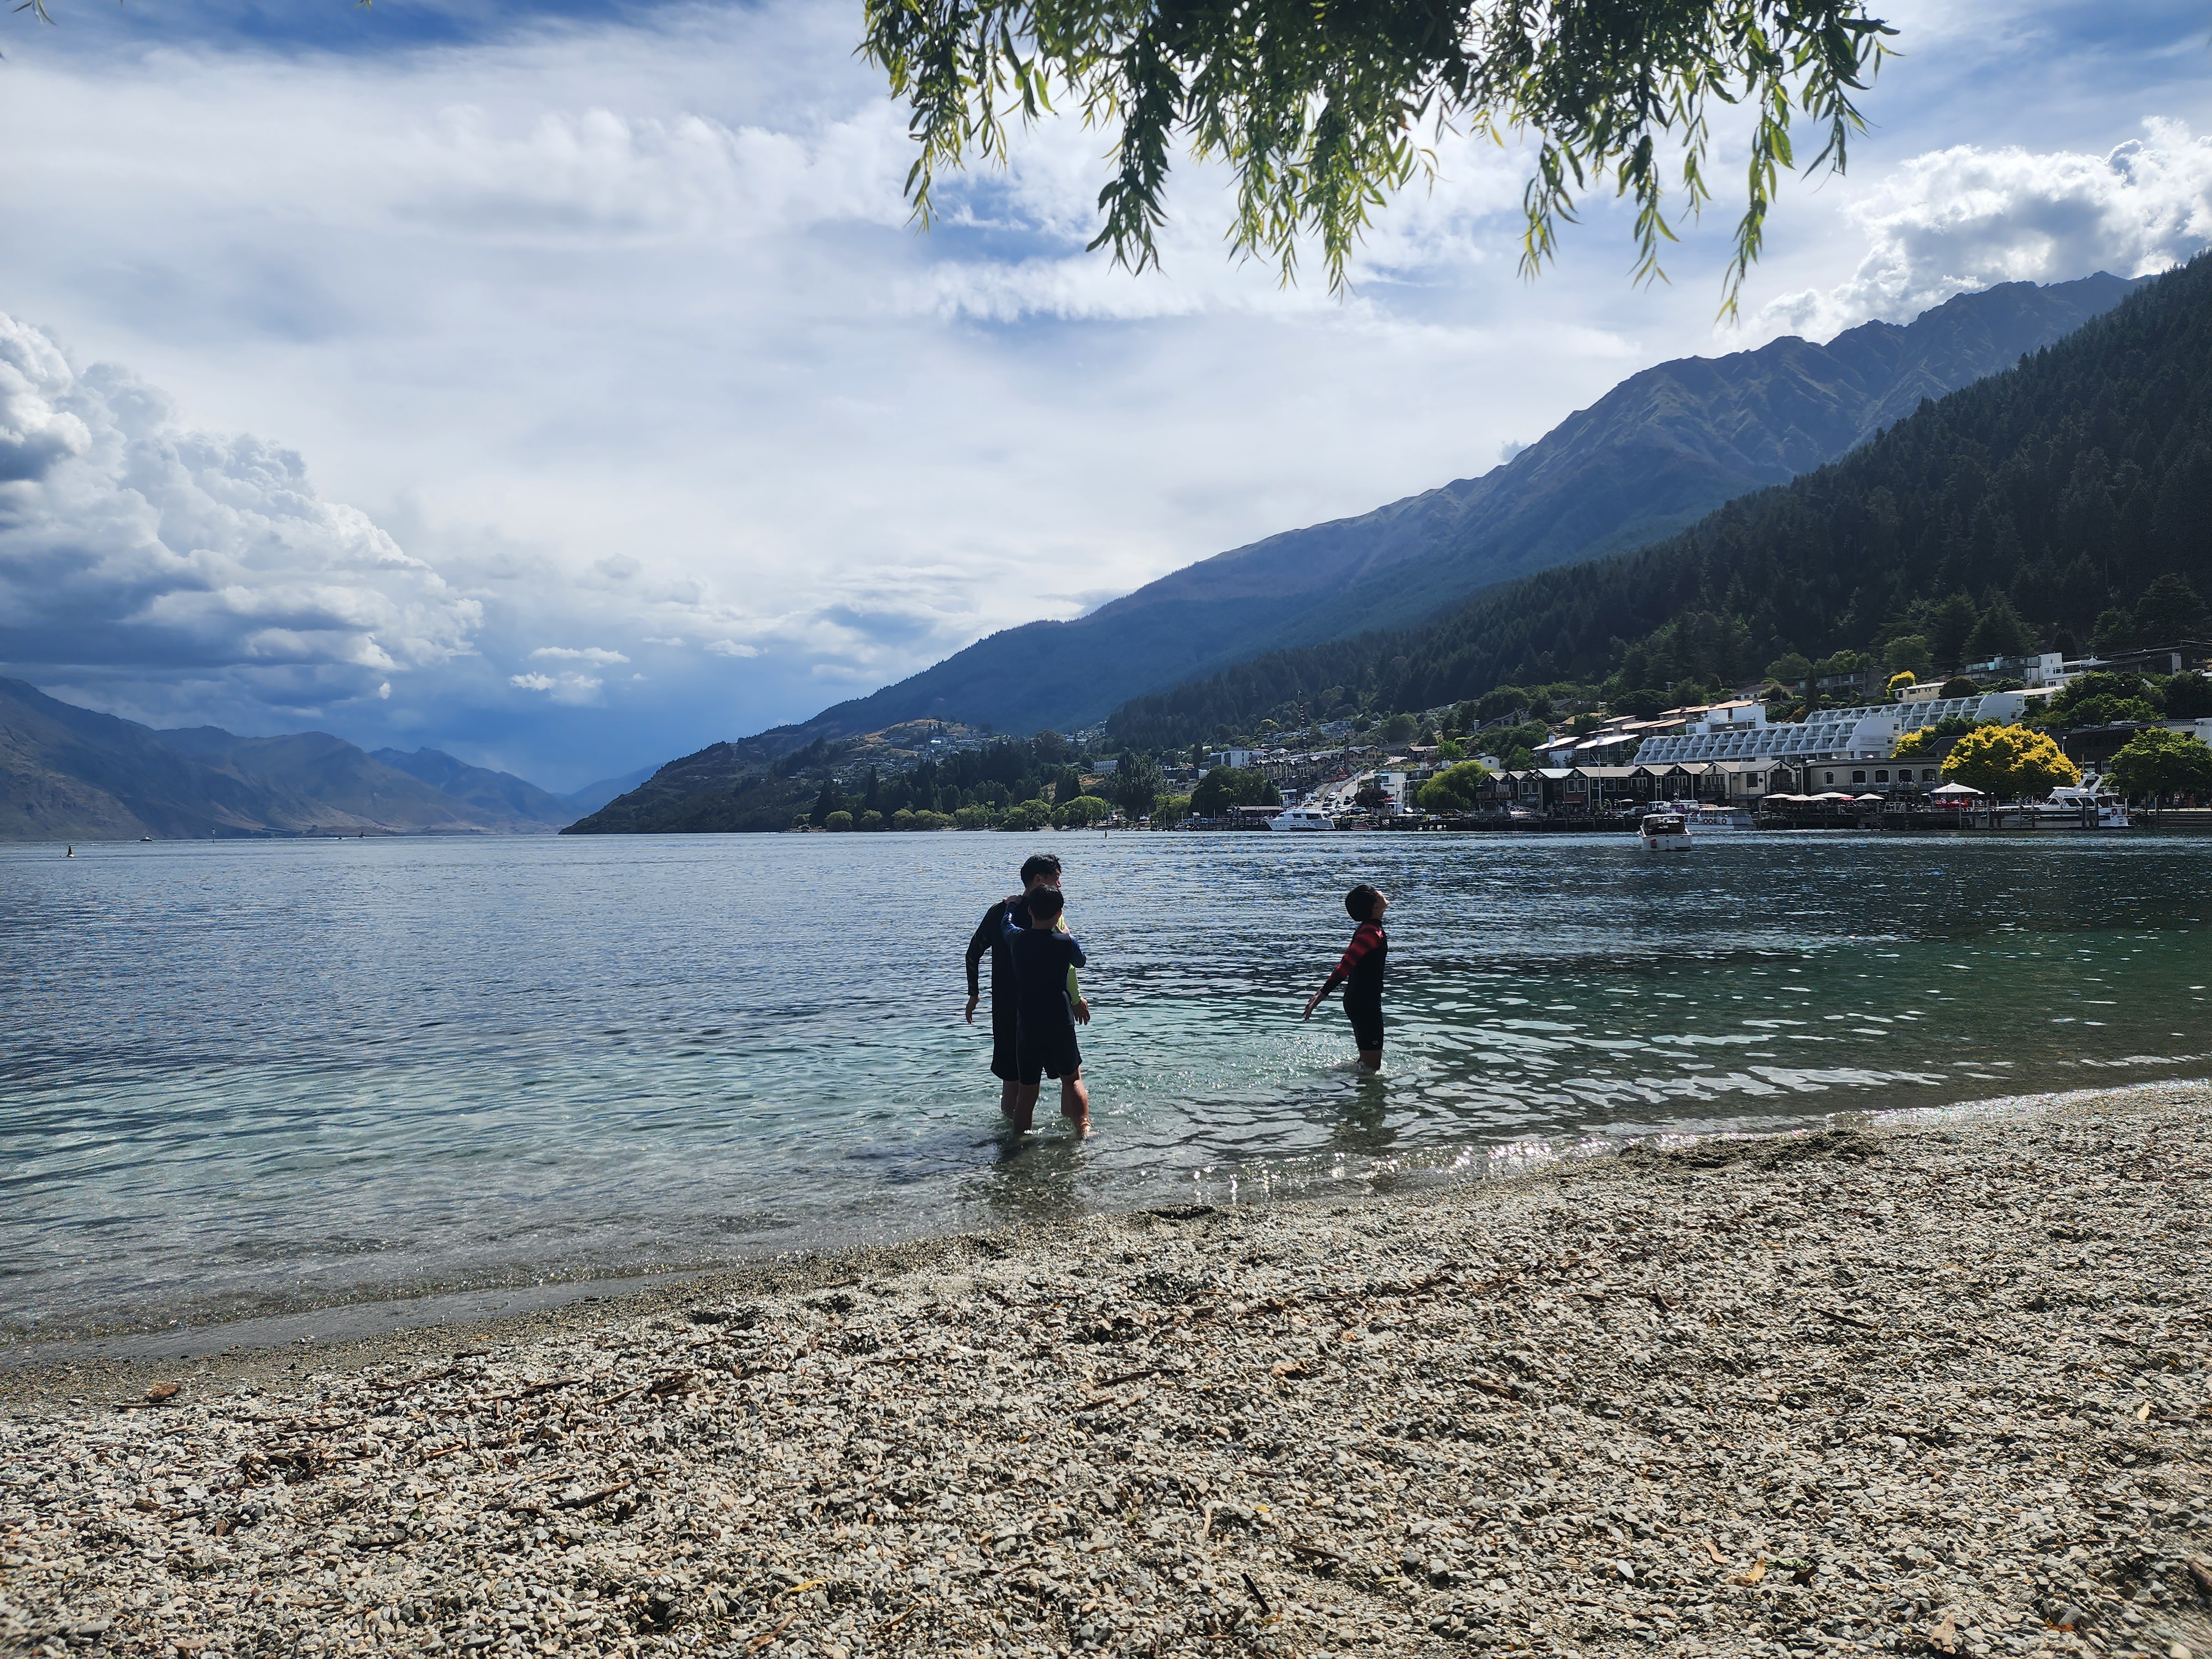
1360, 972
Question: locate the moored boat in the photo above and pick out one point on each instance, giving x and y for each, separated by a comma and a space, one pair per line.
2084, 806
1301, 817
1663, 832
1713, 815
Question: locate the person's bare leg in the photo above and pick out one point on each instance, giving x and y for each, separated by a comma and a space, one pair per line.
1008, 1089
1372, 1059
1024, 1112
1075, 1102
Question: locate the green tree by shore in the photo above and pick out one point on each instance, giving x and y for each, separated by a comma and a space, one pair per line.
1454, 789
2159, 761
2008, 762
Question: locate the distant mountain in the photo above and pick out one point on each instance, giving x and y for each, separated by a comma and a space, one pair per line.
67, 772
581, 803
2069, 497
500, 794
1654, 454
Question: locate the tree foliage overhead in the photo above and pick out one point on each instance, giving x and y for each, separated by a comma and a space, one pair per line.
1320, 108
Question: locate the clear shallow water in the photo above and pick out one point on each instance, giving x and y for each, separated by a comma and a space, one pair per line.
243, 1077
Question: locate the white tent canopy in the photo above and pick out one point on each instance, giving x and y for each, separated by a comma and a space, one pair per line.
1954, 789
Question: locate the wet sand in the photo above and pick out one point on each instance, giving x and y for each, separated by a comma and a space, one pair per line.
1935, 1387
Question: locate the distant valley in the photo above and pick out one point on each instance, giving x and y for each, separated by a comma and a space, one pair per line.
68, 773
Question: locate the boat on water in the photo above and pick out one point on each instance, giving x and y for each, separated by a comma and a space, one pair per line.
1301, 817
1663, 832
2085, 806
1712, 816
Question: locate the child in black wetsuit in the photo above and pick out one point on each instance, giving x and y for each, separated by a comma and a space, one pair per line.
1360, 972
1044, 1034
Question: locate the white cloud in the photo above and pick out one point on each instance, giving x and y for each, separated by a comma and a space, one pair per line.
732, 648
1959, 220
596, 655
130, 536
572, 688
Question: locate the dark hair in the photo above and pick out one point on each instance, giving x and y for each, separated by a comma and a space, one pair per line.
1038, 864
1359, 903
1045, 903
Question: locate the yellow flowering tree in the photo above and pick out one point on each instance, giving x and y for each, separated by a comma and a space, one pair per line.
2009, 760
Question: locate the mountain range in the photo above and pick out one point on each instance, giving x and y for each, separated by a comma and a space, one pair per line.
2065, 504
1653, 455
70, 773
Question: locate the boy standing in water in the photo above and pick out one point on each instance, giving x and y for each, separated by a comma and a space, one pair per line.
1360, 972
1045, 963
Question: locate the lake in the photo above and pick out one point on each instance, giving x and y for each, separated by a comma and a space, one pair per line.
239, 1077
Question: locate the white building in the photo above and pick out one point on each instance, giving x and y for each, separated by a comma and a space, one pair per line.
2043, 668
1868, 732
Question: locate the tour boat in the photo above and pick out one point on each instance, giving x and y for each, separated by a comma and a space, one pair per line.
1664, 832
1713, 815
1301, 817
2084, 806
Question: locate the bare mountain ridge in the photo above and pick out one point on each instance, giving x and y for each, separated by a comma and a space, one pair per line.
70, 773
1658, 452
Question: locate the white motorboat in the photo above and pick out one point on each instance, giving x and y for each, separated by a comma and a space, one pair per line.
2084, 806
1301, 817
1664, 832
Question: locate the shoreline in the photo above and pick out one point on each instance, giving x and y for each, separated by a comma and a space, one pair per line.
1930, 1385
347, 1322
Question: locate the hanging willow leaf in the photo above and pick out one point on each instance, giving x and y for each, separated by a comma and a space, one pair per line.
1318, 108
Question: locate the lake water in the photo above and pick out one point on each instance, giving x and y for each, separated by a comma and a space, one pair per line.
242, 1076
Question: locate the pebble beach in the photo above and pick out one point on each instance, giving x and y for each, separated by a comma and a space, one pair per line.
1938, 1385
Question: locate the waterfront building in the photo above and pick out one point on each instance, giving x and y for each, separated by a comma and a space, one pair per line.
1921, 776
1867, 732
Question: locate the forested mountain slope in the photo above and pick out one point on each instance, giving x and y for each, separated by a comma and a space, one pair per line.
1651, 456
2057, 492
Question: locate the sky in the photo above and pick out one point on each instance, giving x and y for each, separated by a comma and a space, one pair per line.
566, 386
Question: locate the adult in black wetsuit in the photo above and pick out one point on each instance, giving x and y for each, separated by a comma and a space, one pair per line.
1039, 870
1043, 962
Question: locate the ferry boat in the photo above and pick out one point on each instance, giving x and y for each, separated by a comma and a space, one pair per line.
1664, 832
1301, 817
2085, 806
1713, 815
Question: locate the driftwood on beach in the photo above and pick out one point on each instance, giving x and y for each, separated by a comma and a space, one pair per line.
1941, 1389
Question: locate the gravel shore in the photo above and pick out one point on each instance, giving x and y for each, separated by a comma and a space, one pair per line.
1937, 1388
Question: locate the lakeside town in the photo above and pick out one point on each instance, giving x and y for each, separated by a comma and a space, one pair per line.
2015, 742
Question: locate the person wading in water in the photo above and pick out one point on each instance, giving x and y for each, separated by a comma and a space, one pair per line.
1039, 870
